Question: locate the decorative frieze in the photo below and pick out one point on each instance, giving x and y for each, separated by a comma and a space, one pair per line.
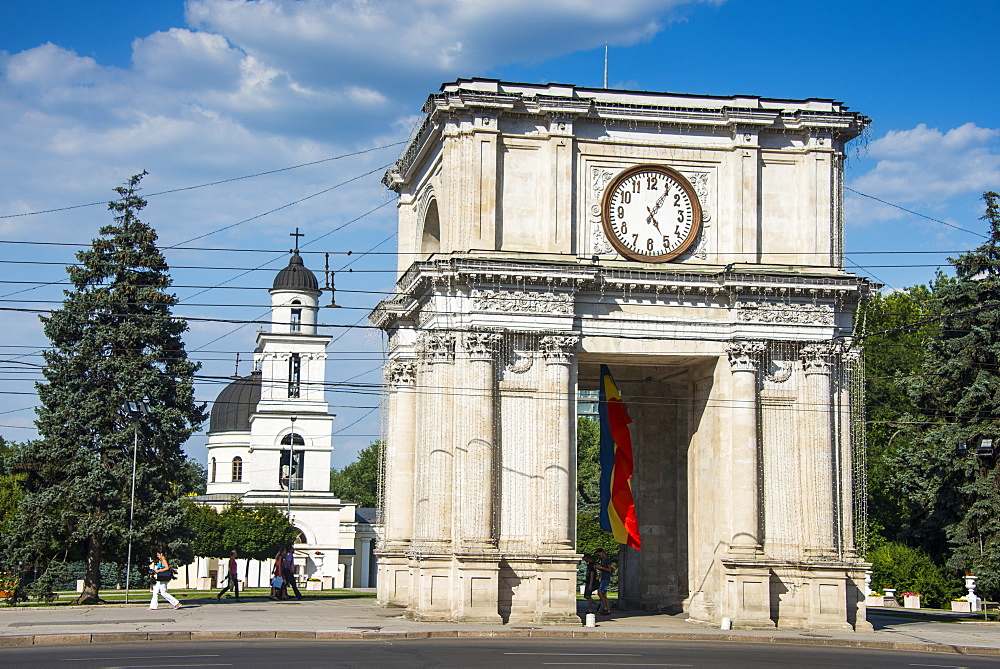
772, 312
523, 302
558, 348
401, 373
744, 356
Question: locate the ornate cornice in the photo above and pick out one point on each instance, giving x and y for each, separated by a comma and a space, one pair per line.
523, 302
779, 312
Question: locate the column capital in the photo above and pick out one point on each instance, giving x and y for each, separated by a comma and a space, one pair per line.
401, 373
558, 349
816, 358
744, 355
482, 346
437, 347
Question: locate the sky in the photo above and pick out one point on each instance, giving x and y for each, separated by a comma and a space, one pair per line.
257, 117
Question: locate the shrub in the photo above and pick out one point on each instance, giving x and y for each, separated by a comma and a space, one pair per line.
895, 565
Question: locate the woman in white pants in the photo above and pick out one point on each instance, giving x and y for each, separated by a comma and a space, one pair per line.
163, 576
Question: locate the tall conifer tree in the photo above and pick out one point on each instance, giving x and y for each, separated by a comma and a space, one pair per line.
113, 340
956, 497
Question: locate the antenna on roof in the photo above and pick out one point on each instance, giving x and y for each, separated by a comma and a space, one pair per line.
329, 284
605, 71
236, 372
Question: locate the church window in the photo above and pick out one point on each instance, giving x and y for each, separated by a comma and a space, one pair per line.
237, 469
292, 462
213, 471
294, 375
296, 325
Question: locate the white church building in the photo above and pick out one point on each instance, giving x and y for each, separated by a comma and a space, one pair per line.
270, 442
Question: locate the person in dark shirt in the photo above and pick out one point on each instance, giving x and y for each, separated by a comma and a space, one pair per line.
589, 581
604, 567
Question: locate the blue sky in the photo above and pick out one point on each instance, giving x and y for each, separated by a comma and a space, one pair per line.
209, 90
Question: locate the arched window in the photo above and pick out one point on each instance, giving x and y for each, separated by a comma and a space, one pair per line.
296, 324
213, 471
294, 375
292, 462
237, 469
430, 241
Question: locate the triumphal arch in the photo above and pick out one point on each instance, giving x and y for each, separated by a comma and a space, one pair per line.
694, 244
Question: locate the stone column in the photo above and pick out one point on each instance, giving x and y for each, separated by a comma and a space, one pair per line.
820, 459
556, 595
393, 582
478, 411
744, 487
559, 470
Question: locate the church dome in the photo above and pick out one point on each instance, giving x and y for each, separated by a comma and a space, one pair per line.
235, 404
295, 277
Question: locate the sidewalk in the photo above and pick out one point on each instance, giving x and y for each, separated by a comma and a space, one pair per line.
331, 618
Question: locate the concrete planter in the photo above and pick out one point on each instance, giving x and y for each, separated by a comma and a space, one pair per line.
961, 607
911, 602
872, 600
314, 585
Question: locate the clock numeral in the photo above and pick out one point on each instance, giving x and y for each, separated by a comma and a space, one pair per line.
621, 211
626, 197
666, 241
680, 216
677, 199
636, 185
649, 244
651, 182
624, 226
635, 239
677, 231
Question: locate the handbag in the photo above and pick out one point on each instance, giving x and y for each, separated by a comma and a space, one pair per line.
277, 582
164, 576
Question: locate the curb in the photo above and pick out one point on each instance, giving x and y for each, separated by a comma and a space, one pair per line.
123, 637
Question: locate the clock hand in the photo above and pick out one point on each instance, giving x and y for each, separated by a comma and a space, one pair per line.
651, 219
659, 202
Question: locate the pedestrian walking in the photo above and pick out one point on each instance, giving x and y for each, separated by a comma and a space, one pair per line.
163, 575
232, 579
590, 581
277, 580
288, 573
604, 568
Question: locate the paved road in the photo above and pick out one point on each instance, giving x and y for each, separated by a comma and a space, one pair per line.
520, 653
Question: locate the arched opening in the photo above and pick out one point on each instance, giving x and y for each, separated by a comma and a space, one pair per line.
292, 463
294, 375
430, 241
296, 320
237, 469
213, 468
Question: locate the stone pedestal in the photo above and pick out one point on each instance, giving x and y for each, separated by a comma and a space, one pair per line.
475, 595
748, 586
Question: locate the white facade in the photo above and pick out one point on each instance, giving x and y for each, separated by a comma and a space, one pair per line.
734, 358
276, 416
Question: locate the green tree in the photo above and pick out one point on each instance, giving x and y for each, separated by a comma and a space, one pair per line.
113, 340
954, 500
895, 332
256, 532
11, 485
358, 481
589, 535
895, 565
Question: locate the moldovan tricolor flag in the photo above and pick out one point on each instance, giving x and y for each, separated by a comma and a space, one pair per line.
617, 506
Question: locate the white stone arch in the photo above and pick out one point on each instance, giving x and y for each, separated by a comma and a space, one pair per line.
429, 229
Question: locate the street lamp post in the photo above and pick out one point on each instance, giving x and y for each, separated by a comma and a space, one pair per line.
136, 410
291, 455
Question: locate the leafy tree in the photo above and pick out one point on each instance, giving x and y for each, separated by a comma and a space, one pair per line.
113, 340
895, 333
195, 478
11, 485
358, 481
589, 535
954, 500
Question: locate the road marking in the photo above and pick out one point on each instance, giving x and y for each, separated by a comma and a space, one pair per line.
946, 666
134, 657
183, 665
581, 654
605, 664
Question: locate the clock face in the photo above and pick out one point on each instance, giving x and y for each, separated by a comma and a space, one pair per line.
650, 213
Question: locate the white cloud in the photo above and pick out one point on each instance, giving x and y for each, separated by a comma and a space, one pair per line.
924, 168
